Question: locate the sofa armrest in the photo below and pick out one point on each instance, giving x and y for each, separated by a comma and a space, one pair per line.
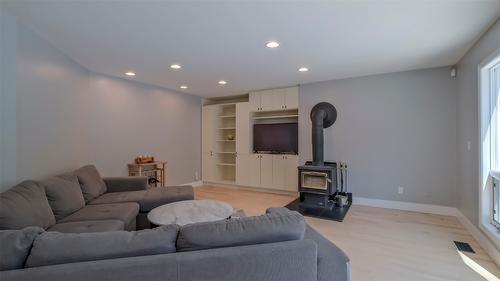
120, 184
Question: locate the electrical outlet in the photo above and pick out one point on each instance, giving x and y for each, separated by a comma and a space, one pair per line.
196, 177
401, 190
468, 145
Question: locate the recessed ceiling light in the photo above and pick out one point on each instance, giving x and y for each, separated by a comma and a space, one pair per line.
175, 66
303, 69
222, 82
130, 73
184, 87
272, 44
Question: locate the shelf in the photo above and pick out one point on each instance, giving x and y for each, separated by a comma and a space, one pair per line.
227, 116
226, 164
225, 140
224, 152
275, 116
227, 128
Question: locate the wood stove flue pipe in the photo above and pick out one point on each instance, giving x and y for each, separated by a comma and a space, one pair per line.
323, 115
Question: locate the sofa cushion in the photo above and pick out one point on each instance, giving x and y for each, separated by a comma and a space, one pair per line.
159, 196
15, 246
91, 182
119, 197
25, 205
125, 212
56, 248
88, 226
267, 228
64, 195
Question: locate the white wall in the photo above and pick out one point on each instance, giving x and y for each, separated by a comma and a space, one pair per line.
467, 119
393, 130
66, 116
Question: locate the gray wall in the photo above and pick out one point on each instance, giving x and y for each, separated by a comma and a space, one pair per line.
393, 130
8, 43
66, 116
467, 119
131, 118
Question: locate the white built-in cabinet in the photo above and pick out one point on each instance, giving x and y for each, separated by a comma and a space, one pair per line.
275, 99
227, 149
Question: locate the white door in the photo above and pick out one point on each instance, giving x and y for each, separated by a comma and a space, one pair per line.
207, 128
207, 167
254, 169
279, 165
266, 170
291, 174
291, 98
242, 128
266, 100
254, 100
242, 169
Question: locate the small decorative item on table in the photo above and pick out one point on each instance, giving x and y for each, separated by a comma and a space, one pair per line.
145, 165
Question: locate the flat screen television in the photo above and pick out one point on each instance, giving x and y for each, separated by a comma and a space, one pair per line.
276, 138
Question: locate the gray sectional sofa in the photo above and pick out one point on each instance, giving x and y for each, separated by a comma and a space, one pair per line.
74, 227
82, 201
277, 246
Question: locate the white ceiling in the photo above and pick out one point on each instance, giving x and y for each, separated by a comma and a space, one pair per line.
216, 40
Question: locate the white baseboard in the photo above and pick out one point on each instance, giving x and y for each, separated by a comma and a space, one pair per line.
406, 206
194, 183
479, 236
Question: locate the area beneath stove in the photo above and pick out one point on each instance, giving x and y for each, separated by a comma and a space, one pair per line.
328, 212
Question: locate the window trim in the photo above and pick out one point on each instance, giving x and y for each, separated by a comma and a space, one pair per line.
484, 143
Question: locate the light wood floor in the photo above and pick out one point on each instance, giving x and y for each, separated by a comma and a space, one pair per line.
383, 244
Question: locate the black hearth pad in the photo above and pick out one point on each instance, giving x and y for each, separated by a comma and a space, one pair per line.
331, 212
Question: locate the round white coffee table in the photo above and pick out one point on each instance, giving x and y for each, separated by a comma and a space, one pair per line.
190, 211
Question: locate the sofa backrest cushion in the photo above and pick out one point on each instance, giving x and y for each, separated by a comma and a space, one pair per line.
91, 182
52, 248
64, 195
267, 228
25, 205
15, 246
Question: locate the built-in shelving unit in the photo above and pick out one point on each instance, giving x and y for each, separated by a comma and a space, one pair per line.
227, 140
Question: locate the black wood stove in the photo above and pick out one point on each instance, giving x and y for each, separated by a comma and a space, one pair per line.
322, 185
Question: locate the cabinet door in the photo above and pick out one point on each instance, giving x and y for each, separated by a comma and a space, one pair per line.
254, 169
254, 100
242, 169
207, 167
291, 97
266, 100
208, 129
291, 173
242, 128
279, 172
279, 99
266, 170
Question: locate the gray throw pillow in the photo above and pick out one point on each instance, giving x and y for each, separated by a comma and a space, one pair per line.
64, 195
91, 182
25, 205
15, 246
267, 228
52, 248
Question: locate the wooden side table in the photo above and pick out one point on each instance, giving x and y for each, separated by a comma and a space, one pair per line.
156, 170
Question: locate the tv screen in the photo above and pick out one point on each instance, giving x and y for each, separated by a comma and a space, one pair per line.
275, 138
